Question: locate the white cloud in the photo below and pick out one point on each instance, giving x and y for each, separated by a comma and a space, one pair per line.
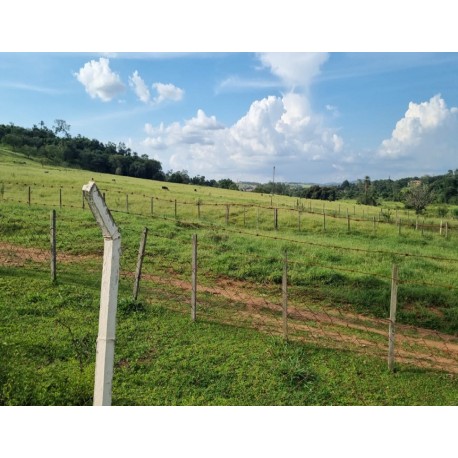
167, 92
425, 128
275, 131
139, 86
295, 69
99, 80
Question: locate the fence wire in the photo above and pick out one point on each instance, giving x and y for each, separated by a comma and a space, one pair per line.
235, 287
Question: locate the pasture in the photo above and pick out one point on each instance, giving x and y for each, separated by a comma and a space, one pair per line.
339, 274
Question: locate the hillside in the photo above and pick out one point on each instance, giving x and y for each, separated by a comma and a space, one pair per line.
339, 261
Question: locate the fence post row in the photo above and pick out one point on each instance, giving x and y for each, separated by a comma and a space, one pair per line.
141, 255
392, 325
53, 245
194, 278
108, 295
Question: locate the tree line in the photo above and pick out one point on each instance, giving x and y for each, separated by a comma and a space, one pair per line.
56, 146
415, 192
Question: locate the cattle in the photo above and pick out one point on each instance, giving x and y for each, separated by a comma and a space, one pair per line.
165, 188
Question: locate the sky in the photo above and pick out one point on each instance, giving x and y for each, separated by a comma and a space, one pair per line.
314, 116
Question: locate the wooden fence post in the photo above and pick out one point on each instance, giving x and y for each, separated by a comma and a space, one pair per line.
29, 196
53, 245
138, 270
198, 210
299, 219
194, 278
399, 226
446, 229
324, 220
60, 197
257, 218
392, 325
284, 290
227, 215
244, 216
348, 222
127, 203
152, 206
84, 201
175, 208
440, 228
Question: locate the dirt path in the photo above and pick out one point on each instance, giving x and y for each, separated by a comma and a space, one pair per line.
325, 327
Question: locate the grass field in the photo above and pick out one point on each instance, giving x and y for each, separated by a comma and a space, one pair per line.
339, 287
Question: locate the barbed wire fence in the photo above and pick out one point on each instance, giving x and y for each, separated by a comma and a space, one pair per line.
302, 216
273, 294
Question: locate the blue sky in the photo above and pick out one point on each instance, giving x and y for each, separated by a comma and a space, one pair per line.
316, 117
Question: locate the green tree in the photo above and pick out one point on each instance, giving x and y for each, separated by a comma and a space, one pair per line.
418, 197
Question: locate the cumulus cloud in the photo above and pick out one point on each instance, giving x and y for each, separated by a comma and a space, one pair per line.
275, 130
167, 92
281, 131
139, 86
421, 124
99, 80
295, 69
425, 138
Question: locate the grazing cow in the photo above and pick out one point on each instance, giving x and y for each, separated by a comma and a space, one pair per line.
165, 188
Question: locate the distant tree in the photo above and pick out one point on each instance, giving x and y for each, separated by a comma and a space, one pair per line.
227, 183
61, 126
418, 197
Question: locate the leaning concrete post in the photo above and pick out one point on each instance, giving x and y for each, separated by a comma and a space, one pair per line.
108, 295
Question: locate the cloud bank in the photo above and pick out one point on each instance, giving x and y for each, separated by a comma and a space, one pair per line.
276, 130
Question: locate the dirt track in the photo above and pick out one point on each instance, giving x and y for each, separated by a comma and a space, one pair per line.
325, 327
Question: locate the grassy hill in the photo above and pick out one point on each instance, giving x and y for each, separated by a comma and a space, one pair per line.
234, 354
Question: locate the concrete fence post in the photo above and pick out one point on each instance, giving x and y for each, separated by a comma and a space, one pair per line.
392, 325
108, 295
138, 270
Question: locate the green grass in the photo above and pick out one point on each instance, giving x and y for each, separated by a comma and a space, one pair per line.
49, 331
48, 342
